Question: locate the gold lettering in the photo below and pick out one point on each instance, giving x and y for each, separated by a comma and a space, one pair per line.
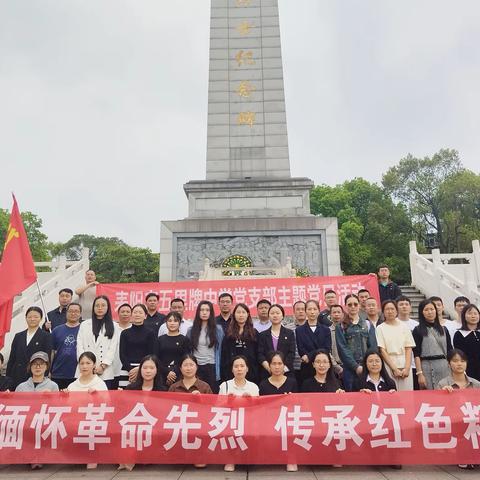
245, 89
246, 118
244, 28
244, 58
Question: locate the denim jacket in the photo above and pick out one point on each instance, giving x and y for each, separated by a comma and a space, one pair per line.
353, 340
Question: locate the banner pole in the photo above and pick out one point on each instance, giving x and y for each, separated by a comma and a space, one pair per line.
43, 302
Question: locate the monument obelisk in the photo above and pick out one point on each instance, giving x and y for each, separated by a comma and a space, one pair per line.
249, 205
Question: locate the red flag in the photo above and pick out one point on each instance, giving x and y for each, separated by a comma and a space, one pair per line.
17, 271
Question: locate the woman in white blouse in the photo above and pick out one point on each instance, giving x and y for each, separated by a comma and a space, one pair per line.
101, 335
238, 386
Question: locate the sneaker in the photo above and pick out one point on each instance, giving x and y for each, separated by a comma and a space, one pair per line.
229, 467
292, 467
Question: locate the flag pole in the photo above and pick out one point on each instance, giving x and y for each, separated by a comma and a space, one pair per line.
43, 301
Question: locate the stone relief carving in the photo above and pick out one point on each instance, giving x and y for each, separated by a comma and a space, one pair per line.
264, 251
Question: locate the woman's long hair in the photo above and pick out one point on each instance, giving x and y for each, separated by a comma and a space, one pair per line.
422, 322
383, 371
465, 310
107, 320
158, 383
233, 330
211, 326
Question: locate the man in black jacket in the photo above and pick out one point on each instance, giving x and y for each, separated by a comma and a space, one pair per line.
388, 290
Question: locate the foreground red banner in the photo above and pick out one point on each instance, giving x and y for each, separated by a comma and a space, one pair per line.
285, 291
151, 427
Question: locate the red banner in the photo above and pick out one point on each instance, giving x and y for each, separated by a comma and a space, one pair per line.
285, 291
149, 427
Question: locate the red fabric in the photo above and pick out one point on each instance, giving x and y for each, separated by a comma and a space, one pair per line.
285, 291
6, 309
17, 271
425, 427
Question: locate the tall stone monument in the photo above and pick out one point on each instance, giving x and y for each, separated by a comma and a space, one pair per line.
249, 206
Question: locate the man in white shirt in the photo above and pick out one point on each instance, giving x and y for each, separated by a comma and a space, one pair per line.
262, 323
459, 304
450, 325
404, 309
177, 305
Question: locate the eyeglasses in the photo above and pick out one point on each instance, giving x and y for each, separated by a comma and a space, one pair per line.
352, 304
38, 364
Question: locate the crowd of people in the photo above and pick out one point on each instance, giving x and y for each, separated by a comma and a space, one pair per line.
354, 345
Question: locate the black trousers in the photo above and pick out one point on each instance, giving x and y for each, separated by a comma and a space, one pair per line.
207, 374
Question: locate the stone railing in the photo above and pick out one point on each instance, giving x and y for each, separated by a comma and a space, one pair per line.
233, 273
63, 274
433, 274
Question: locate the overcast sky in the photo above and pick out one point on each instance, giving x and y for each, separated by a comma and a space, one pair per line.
103, 103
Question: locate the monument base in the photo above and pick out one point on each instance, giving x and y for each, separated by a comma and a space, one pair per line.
310, 242
265, 197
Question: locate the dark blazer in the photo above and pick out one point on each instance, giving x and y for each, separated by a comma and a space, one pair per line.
309, 342
383, 386
231, 348
286, 345
20, 353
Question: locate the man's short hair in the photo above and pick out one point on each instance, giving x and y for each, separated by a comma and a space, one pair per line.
73, 303
461, 299
225, 295
329, 291
436, 299
336, 306
177, 300
66, 290
264, 300
152, 294
297, 302
383, 265
363, 290
403, 298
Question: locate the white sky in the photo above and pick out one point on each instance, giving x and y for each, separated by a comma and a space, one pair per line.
103, 103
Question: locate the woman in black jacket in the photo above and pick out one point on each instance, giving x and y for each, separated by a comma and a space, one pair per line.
276, 338
25, 344
374, 377
241, 339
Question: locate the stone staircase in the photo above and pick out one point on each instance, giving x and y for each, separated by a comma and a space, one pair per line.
415, 296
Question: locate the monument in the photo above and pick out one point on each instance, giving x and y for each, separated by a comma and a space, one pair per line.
249, 209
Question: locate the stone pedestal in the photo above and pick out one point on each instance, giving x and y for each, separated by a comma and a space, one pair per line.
311, 242
249, 204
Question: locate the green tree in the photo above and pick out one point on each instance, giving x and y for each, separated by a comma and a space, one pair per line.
459, 206
122, 263
38, 241
73, 247
417, 183
372, 229
112, 259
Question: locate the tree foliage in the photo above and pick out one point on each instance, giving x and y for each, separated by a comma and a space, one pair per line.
372, 228
112, 259
417, 182
459, 206
38, 241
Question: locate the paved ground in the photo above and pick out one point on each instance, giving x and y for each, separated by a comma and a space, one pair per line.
180, 472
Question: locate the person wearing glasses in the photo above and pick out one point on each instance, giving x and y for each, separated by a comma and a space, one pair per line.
354, 338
